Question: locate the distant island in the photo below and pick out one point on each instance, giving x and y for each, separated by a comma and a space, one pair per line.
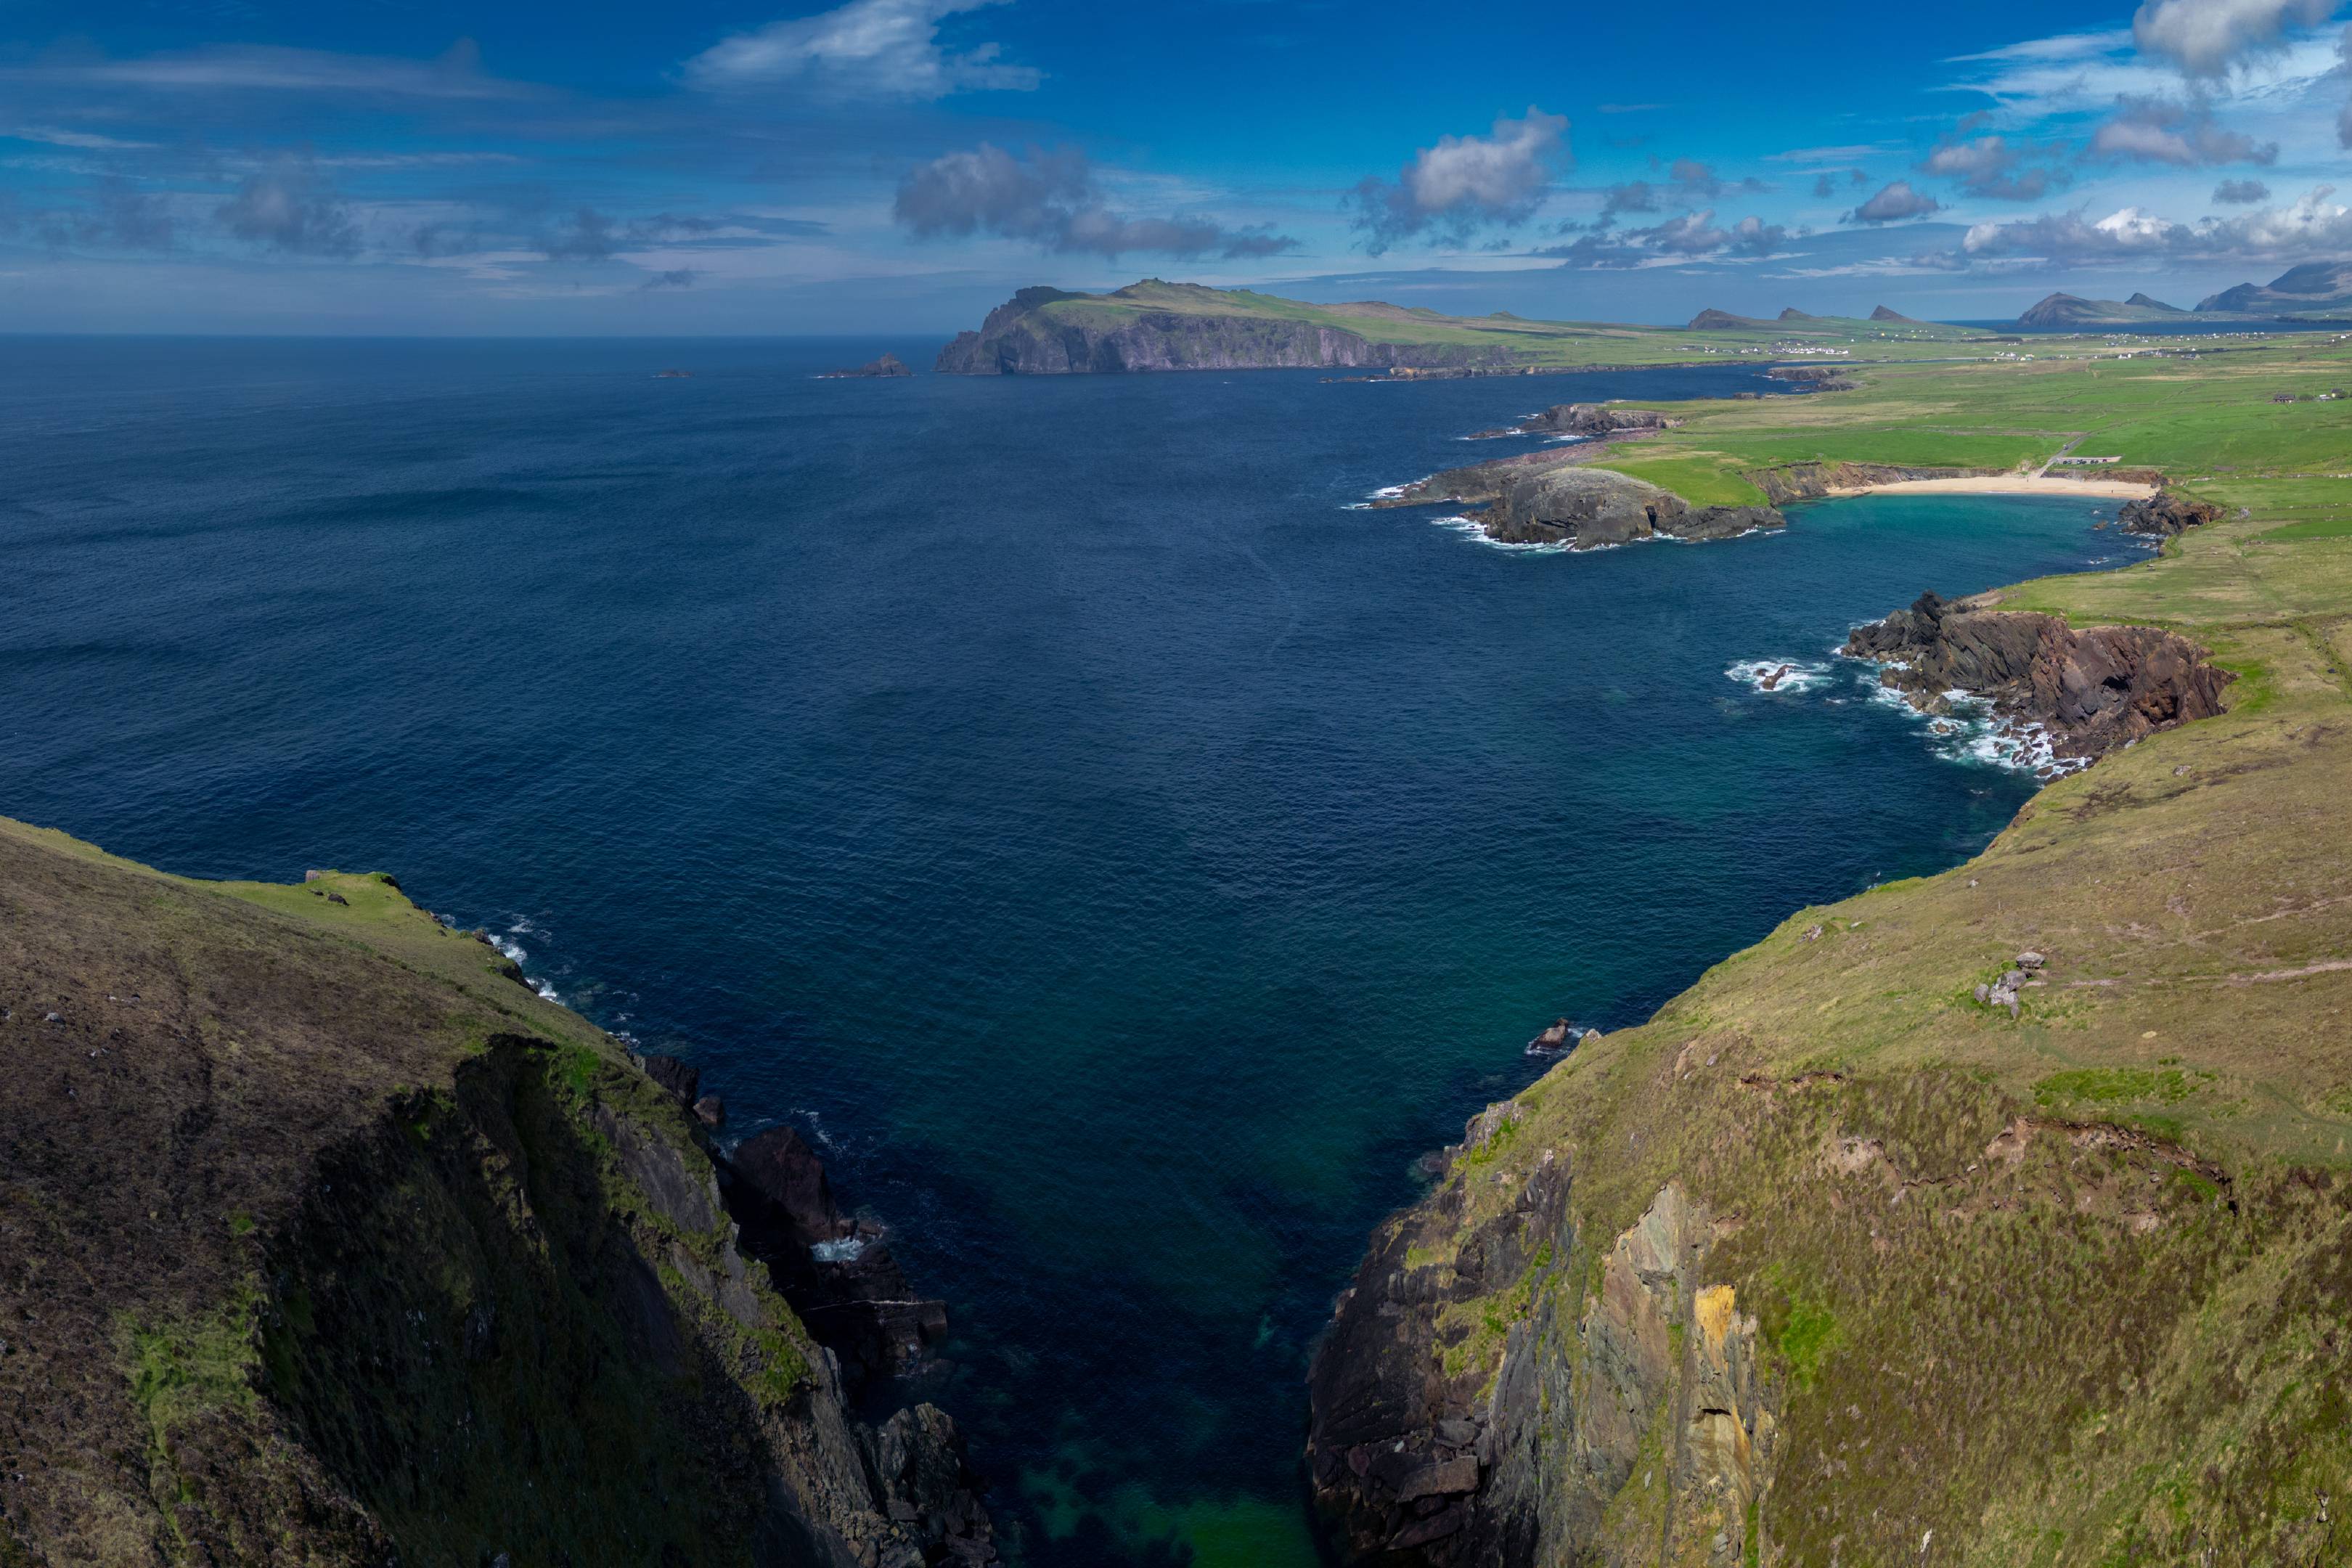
889, 364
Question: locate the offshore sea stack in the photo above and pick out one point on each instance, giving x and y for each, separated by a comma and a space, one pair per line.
2094, 690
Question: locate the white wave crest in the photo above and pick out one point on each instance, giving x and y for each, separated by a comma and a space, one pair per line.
1777, 674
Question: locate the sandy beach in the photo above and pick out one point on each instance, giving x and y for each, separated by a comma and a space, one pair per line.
2003, 485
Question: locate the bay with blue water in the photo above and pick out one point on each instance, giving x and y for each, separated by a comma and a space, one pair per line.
1124, 855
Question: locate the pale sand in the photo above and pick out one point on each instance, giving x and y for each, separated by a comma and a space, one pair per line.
2001, 485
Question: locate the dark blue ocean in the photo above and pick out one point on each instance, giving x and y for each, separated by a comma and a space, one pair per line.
1128, 858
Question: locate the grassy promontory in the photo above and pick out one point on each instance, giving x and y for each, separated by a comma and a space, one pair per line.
324, 1240
1828, 1262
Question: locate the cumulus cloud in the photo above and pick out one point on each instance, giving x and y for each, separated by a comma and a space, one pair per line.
2159, 131
867, 49
2312, 223
2207, 37
1464, 183
2240, 193
1992, 167
1051, 198
1893, 204
676, 278
290, 207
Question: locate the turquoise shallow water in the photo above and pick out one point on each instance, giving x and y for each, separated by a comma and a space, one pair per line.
1127, 856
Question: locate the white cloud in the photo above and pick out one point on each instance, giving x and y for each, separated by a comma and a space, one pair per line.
2208, 37
2158, 130
1465, 182
1893, 204
2311, 224
1052, 199
877, 49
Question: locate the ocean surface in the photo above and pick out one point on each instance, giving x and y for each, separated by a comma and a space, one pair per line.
1123, 854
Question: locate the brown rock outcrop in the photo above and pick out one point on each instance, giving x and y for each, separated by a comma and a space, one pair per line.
2165, 514
2094, 690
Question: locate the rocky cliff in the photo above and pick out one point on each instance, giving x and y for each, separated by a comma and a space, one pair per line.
2094, 690
1024, 336
2165, 514
322, 1241
1559, 498
1586, 508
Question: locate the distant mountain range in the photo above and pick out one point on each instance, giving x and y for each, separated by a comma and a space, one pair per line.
2316, 291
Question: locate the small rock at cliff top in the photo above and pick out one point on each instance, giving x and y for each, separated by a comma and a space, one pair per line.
339, 898
1983, 993
711, 1110
2029, 959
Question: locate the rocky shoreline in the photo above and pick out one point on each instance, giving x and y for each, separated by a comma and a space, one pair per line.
1557, 497
2090, 692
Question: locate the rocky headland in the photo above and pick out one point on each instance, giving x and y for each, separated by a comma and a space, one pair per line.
2092, 691
1027, 336
1559, 499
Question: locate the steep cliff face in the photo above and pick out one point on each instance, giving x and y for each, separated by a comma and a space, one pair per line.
1026, 336
322, 1241
1488, 1390
2095, 690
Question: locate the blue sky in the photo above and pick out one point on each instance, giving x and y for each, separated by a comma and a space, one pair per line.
900, 165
